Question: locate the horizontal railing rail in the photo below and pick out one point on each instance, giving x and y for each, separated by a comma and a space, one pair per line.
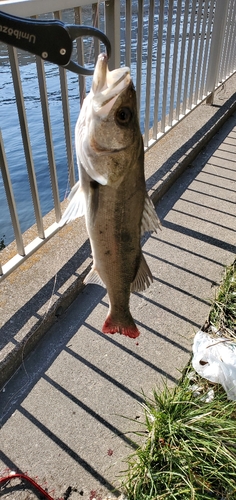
179, 52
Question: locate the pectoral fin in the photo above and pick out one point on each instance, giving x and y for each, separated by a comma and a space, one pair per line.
76, 207
150, 220
143, 278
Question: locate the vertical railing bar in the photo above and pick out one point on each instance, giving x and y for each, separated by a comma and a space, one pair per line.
233, 51
188, 62
139, 55
232, 65
233, 44
176, 49
166, 71
48, 136
158, 68
128, 18
112, 25
66, 117
95, 17
25, 138
182, 57
224, 67
222, 62
11, 199
201, 53
195, 51
149, 72
231, 31
207, 49
225, 42
217, 38
80, 54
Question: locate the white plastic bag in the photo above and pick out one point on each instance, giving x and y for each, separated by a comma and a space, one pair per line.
215, 360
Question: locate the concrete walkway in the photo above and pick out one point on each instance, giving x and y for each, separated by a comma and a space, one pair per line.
66, 413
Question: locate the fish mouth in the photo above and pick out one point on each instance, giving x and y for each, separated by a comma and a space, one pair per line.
107, 85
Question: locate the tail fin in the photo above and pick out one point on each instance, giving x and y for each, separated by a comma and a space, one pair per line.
129, 330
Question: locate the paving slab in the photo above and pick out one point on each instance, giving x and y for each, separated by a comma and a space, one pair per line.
70, 411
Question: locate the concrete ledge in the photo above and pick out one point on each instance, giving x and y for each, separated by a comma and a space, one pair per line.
35, 295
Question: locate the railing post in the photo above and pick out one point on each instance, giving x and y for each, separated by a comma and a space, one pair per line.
11, 200
25, 138
217, 39
112, 16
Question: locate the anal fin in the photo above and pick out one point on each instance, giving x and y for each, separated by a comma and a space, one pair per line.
143, 278
93, 278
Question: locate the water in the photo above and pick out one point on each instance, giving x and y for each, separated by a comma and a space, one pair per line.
11, 129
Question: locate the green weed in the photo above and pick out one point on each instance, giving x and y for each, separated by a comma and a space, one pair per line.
223, 311
190, 449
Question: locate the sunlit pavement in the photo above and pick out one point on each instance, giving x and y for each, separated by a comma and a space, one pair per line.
69, 413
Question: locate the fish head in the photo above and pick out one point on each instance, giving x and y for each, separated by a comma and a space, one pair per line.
108, 126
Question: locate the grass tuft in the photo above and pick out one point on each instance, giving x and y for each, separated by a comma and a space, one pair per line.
190, 449
223, 311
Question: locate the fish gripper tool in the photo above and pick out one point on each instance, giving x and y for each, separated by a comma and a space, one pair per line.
52, 40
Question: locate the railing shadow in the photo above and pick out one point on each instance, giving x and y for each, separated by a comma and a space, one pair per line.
31, 308
192, 143
48, 351
22, 384
27, 377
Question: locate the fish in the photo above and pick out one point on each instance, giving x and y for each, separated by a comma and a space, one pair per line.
111, 192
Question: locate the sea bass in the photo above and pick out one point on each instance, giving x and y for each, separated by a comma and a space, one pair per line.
111, 192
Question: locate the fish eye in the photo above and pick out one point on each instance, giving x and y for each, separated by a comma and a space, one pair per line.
123, 116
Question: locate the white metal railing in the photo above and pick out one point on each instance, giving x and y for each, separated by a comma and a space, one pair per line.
179, 51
